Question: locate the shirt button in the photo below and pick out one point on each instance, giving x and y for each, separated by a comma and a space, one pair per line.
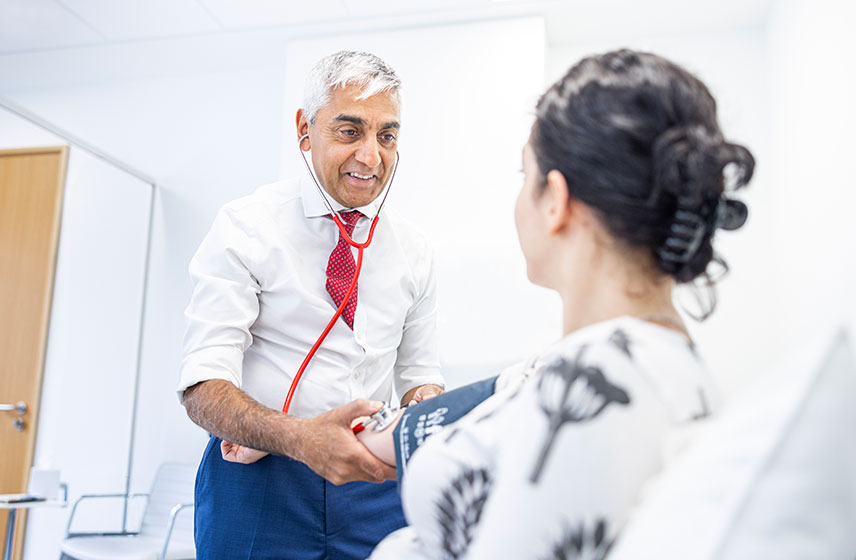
356, 375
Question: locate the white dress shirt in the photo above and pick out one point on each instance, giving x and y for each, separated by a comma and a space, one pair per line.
260, 302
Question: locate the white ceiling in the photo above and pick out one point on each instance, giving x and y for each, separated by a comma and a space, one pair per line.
28, 26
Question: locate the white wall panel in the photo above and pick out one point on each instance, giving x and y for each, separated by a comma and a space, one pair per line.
810, 56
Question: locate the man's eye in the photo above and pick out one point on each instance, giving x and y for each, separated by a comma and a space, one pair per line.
348, 131
388, 137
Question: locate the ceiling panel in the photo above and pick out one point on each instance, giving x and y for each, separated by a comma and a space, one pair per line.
39, 24
386, 7
252, 13
33, 25
572, 22
136, 19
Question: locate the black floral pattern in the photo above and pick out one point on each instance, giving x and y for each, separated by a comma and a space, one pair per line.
460, 508
694, 350
620, 339
572, 392
579, 543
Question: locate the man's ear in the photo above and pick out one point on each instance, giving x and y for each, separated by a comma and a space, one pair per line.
558, 210
302, 128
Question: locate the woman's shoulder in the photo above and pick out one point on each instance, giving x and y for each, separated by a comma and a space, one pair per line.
625, 339
622, 343
640, 356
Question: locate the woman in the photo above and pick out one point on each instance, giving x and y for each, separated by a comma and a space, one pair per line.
627, 179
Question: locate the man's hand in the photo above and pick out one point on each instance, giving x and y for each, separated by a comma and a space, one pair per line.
328, 446
421, 393
235, 453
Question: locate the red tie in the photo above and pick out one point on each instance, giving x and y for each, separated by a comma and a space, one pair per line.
341, 269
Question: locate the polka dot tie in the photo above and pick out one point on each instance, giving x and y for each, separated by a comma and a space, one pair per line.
341, 269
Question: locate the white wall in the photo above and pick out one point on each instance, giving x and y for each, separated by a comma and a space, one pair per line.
85, 409
468, 92
811, 53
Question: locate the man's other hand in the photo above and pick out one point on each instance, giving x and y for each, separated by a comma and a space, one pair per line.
421, 393
235, 453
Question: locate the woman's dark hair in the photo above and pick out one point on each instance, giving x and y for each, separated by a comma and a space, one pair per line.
636, 138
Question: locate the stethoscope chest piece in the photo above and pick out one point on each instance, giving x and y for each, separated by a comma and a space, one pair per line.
381, 419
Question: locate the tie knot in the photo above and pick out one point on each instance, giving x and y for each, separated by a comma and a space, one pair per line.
349, 218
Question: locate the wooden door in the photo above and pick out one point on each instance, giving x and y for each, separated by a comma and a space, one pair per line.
31, 188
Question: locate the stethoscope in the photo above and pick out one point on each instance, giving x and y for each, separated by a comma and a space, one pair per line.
358, 246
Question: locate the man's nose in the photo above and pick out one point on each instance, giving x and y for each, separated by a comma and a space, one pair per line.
368, 152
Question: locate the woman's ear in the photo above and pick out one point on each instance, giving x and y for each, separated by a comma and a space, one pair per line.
302, 129
558, 196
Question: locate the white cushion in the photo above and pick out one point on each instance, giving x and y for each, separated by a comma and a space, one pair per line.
123, 548
773, 475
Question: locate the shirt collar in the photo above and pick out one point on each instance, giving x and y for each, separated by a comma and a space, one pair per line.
313, 205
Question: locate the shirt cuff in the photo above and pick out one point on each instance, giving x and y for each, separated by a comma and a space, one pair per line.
211, 363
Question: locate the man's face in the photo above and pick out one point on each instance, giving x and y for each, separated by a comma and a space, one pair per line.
353, 142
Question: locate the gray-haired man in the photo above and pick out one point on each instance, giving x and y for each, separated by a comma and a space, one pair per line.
265, 285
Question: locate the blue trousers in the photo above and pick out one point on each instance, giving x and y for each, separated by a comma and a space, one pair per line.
278, 508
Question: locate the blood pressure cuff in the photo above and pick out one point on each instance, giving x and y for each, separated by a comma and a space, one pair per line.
424, 419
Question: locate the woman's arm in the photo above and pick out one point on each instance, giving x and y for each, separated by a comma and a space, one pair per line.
415, 423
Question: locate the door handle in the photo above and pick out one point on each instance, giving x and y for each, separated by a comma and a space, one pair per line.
20, 407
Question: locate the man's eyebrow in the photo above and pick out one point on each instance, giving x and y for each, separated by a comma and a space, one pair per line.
360, 122
350, 119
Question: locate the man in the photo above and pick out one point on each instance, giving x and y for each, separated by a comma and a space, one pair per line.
267, 278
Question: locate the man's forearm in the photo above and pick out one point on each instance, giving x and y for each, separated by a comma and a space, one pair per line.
326, 443
230, 414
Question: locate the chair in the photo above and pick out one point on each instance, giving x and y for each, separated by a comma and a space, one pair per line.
166, 532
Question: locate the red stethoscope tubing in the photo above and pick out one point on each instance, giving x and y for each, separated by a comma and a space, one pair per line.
335, 317
359, 247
